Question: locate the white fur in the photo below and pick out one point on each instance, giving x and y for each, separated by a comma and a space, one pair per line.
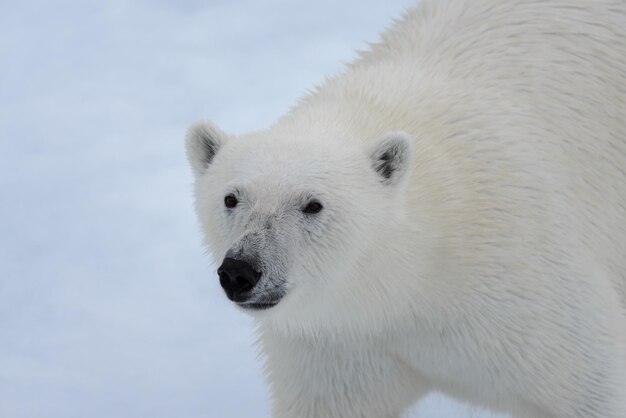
494, 269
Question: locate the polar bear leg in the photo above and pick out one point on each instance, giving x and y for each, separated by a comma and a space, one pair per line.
324, 380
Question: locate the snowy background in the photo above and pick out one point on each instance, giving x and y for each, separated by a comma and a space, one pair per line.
108, 306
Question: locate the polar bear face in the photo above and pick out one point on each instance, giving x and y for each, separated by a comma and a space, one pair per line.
287, 215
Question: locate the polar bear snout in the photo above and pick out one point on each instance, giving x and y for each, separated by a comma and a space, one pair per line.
238, 278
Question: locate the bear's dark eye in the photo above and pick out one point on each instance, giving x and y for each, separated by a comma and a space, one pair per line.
230, 201
312, 207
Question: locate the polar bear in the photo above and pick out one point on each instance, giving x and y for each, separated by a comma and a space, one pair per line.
448, 214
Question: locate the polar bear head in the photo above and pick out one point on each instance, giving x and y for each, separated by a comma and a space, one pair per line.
289, 213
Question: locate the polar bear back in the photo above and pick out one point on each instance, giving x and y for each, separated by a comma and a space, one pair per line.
565, 71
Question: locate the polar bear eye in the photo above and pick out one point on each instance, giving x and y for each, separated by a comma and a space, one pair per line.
230, 201
312, 207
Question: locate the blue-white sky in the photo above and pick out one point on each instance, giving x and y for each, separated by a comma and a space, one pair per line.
108, 306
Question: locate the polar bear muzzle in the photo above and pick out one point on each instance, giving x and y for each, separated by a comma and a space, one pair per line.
238, 278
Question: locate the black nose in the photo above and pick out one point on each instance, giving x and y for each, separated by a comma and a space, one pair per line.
237, 277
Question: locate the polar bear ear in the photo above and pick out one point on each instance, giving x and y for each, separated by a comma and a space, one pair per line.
392, 157
203, 141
